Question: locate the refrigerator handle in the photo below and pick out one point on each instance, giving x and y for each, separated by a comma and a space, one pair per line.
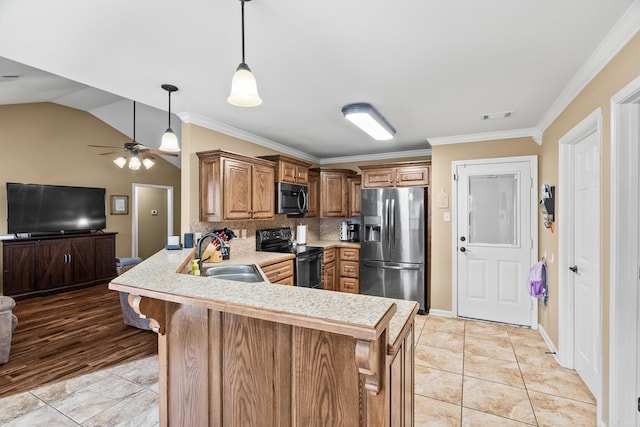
386, 219
392, 224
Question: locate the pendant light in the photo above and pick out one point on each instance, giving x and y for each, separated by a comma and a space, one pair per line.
169, 139
244, 89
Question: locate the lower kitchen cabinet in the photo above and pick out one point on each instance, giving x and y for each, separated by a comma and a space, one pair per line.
38, 266
349, 269
280, 272
329, 270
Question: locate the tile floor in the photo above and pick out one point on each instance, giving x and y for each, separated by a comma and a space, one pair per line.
467, 373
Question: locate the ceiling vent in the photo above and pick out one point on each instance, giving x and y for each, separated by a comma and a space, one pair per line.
493, 116
8, 78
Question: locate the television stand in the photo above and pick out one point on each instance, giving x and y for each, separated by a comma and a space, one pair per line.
42, 265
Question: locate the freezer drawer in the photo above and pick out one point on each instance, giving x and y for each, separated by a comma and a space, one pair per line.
394, 280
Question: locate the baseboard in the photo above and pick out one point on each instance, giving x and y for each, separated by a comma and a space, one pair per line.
440, 313
547, 340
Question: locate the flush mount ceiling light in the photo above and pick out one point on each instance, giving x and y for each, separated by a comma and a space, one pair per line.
169, 139
244, 89
369, 120
494, 116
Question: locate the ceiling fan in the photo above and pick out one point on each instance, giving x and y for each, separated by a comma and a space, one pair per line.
135, 149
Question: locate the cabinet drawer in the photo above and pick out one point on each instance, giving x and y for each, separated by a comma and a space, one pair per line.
278, 272
351, 285
329, 256
350, 254
349, 269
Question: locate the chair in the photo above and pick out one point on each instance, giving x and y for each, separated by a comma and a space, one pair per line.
8, 323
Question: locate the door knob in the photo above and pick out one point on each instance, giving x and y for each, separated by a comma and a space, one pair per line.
463, 249
574, 268
462, 239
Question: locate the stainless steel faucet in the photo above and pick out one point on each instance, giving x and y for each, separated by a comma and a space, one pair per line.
205, 236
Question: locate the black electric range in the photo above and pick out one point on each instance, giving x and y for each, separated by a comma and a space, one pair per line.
308, 261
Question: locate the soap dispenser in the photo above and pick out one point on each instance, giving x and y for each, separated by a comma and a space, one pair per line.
195, 267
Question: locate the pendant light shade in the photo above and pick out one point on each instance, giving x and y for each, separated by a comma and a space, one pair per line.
120, 162
148, 163
169, 139
134, 163
244, 89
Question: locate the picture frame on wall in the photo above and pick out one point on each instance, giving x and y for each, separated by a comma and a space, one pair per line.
119, 205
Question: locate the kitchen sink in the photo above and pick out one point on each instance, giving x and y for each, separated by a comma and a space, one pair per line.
238, 273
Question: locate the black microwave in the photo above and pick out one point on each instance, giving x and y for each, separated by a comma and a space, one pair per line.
292, 199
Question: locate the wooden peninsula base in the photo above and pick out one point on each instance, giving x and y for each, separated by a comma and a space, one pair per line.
225, 363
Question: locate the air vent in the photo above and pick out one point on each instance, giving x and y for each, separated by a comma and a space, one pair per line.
494, 116
8, 78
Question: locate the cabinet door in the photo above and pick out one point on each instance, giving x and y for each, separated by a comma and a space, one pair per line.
302, 175
52, 258
264, 198
412, 176
355, 185
314, 195
237, 189
377, 178
329, 277
287, 172
333, 195
80, 260
18, 268
105, 257
210, 190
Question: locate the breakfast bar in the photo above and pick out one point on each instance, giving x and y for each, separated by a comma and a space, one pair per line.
261, 354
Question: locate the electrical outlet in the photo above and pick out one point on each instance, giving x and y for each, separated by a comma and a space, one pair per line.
236, 232
244, 233
446, 217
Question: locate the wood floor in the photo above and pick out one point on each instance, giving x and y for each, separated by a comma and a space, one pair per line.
68, 334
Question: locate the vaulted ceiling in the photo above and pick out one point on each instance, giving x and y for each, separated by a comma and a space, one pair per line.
432, 68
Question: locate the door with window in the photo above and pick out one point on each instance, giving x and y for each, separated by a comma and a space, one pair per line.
494, 239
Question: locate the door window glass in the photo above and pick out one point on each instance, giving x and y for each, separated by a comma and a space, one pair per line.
493, 209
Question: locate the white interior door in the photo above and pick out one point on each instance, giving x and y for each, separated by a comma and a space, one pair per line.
586, 260
494, 239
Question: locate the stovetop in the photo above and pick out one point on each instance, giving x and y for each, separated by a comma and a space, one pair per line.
279, 240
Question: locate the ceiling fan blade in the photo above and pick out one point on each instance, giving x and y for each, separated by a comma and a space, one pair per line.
140, 147
103, 146
110, 152
146, 155
162, 153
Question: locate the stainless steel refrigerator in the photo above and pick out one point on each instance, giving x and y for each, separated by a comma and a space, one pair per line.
393, 244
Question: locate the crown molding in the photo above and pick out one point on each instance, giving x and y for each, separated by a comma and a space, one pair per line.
488, 136
626, 27
380, 156
205, 122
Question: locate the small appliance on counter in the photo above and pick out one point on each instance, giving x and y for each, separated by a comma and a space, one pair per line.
344, 231
354, 232
301, 234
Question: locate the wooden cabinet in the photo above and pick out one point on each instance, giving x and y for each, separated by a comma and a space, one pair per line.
414, 174
280, 272
38, 266
290, 170
355, 185
329, 270
349, 270
314, 194
401, 382
334, 192
235, 187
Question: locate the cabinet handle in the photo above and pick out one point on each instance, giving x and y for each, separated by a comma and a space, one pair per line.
69, 258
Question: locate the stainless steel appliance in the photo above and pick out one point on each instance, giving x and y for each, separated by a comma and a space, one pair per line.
344, 231
291, 199
393, 244
354, 232
308, 262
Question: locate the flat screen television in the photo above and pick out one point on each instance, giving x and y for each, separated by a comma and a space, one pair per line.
54, 209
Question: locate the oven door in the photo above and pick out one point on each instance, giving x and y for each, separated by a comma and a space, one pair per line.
292, 198
309, 270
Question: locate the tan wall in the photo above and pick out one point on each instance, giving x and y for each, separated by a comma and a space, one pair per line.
441, 232
618, 73
46, 143
152, 229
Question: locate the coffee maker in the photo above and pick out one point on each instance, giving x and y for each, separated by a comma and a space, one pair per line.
354, 232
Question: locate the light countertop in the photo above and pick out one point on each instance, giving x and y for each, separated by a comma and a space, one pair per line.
364, 316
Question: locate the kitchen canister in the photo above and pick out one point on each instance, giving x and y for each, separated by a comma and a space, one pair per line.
301, 234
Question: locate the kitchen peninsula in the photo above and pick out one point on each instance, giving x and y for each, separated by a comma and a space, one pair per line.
259, 354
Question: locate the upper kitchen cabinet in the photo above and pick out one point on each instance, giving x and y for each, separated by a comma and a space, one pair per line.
235, 187
355, 185
314, 194
334, 192
414, 174
290, 170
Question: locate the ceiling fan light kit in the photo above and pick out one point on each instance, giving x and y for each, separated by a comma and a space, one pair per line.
244, 89
169, 139
120, 162
369, 120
